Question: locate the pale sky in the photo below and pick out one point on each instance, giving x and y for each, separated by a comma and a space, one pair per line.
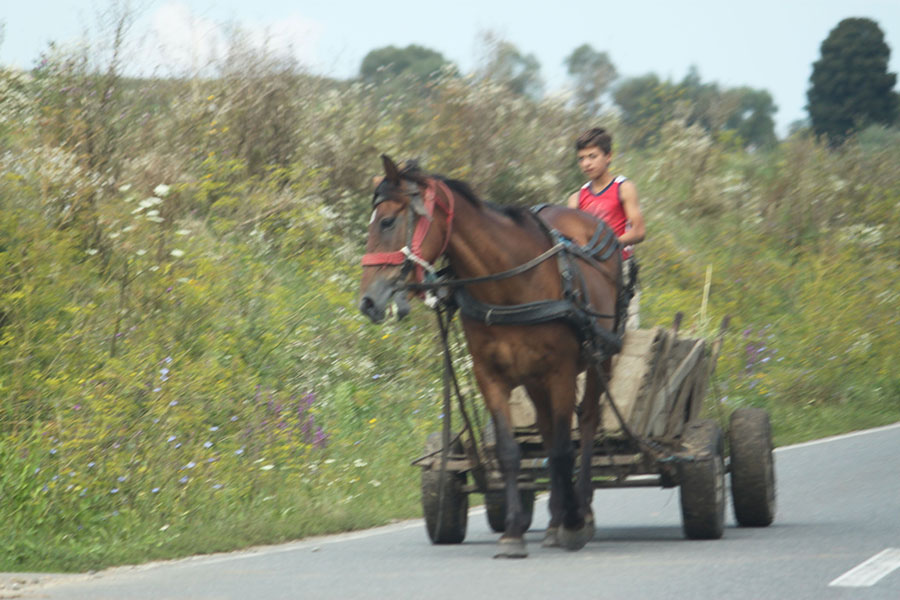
765, 44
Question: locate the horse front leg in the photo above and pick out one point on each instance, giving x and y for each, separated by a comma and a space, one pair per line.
588, 421
512, 542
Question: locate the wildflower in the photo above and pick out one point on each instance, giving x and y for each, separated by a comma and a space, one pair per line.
184, 479
217, 486
171, 438
91, 465
214, 428
168, 359
122, 478
114, 491
190, 465
154, 490
161, 190
173, 403
359, 463
158, 389
177, 253
267, 468
207, 444
52, 450
239, 451
125, 188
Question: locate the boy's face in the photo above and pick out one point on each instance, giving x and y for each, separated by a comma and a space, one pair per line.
593, 161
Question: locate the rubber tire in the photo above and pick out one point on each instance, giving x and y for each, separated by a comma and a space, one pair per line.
495, 505
703, 482
444, 524
752, 467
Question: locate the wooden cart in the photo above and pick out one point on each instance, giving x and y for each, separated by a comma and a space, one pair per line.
657, 439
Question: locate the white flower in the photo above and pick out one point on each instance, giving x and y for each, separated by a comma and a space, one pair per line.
92, 251
267, 468
359, 463
177, 253
161, 190
183, 232
125, 188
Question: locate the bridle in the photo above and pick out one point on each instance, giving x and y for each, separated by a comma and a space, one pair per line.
421, 215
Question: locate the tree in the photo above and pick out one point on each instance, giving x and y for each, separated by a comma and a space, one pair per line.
753, 117
647, 103
592, 72
420, 63
850, 86
505, 64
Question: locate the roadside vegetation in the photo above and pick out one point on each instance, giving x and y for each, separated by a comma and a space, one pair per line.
182, 365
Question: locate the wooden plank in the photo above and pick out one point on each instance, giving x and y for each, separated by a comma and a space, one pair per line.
634, 375
681, 380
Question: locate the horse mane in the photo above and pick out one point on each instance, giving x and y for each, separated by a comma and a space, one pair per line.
412, 171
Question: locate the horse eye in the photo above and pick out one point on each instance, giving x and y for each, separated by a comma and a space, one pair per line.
387, 223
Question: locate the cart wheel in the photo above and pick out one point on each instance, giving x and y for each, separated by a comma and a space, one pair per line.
752, 467
495, 503
445, 505
703, 482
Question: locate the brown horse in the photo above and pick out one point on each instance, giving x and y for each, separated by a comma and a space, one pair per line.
419, 218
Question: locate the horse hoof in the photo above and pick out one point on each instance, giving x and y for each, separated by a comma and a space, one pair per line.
576, 539
511, 548
550, 539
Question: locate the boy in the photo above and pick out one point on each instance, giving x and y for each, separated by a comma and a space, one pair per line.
613, 199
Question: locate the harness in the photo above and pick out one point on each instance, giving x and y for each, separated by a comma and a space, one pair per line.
573, 308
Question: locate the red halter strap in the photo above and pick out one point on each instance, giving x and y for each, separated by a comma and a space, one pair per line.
412, 252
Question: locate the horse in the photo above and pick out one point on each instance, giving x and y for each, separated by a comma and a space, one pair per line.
417, 218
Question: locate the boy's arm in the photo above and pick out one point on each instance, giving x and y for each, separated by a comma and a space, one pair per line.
572, 202
629, 197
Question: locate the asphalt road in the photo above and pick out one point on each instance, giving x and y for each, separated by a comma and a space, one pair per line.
838, 507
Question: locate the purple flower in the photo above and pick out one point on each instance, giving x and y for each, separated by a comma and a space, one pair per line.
207, 444
320, 440
184, 479
154, 490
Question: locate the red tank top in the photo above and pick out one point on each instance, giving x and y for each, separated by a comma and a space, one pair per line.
608, 206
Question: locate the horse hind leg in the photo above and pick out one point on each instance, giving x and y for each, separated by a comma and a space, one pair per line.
575, 530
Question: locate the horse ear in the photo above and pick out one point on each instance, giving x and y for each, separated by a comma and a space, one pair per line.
391, 172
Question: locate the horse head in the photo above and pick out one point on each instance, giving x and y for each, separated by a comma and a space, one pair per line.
403, 240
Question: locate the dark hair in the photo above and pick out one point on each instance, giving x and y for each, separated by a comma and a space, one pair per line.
595, 137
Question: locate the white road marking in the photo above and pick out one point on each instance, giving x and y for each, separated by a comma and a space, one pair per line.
836, 438
870, 572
